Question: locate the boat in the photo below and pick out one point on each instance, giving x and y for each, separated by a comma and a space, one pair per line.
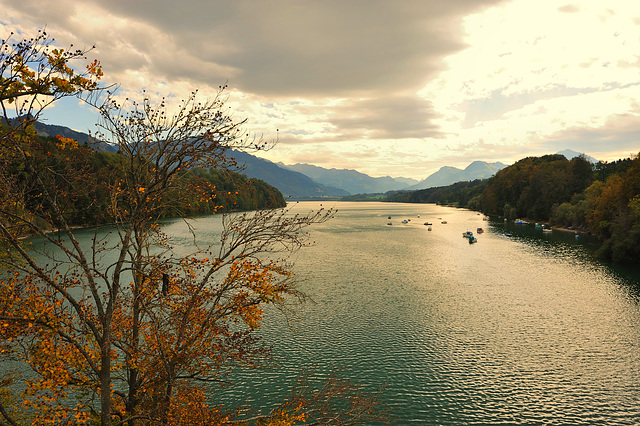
479, 230
389, 223
507, 235
473, 240
429, 229
428, 223
467, 234
405, 221
444, 221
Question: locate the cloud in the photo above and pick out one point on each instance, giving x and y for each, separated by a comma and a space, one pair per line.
277, 48
373, 84
618, 137
394, 117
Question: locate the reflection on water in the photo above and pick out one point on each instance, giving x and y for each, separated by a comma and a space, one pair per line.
522, 330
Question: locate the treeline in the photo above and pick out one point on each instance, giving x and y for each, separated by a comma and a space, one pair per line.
464, 194
602, 199
87, 177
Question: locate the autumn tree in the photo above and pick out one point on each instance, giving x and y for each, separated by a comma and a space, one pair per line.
123, 329
613, 215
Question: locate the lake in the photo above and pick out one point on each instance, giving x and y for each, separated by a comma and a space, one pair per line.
527, 329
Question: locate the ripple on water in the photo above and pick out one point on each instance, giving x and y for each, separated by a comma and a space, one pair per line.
511, 331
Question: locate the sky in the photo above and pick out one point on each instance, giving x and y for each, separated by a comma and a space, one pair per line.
385, 87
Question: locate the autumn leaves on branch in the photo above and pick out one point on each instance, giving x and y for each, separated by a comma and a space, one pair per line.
123, 330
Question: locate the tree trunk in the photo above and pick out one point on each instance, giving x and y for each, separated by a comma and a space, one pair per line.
105, 382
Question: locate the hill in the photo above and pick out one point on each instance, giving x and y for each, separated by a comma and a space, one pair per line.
602, 199
449, 175
352, 181
291, 183
83, 139
570, 155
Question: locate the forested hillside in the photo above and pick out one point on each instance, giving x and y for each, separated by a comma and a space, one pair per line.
465, 194
602, 199
95, 171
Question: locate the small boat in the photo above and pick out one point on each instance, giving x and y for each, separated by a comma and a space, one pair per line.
428, 223
467, 234
479, 230
473, 240
405, 221
444, 222
507, 235
389, 223
429, 229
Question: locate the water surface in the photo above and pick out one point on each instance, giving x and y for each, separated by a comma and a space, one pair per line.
527, 329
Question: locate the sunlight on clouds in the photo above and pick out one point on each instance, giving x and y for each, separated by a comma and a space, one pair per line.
554, 66
439, 85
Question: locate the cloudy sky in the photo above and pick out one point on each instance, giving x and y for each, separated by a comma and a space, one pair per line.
386, 87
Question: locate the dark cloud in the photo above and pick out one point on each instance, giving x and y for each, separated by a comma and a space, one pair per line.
329, 48
395, 117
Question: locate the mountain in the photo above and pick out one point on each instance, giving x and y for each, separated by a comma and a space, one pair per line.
351, 181
569, 154
291, 183
83, 139
449, 175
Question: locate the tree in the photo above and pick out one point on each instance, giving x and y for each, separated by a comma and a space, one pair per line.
34, 74
612, 212
124, 330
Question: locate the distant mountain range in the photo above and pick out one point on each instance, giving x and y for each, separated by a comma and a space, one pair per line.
303, 181
449, 175
291, 183
351, 181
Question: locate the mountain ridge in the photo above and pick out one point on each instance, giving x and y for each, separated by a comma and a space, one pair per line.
448, 175
352, 181
305, 181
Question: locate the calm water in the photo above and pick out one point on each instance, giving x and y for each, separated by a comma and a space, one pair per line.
527, 329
